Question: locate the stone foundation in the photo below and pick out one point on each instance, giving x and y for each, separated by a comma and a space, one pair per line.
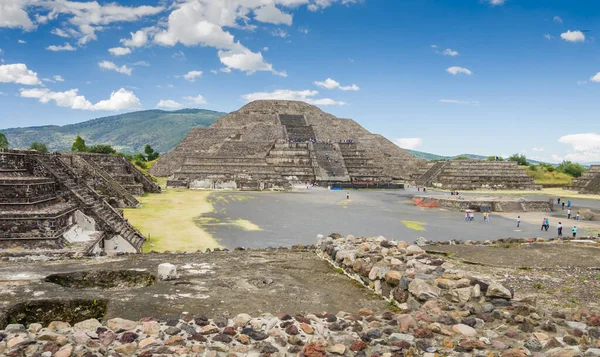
480, 204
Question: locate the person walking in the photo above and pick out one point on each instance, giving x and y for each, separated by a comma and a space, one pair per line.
577, 217
467, 217
569, 213
559, 228
563, 206
558, 200
518, 221
347, 195
485, 218
543, 224
569, 204
574, 231
472, 217
547, 224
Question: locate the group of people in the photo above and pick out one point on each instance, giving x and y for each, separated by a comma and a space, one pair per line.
419, 188
546, 226
315, 141
470, 216
569, 212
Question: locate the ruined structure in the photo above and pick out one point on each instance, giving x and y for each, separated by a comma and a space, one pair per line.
271, 143
46, 204
589, 182
483, 203
475, 174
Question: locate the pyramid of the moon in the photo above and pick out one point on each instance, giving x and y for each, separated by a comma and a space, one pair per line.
272, 143
589, 182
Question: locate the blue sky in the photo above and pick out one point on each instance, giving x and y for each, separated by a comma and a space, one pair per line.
490, 77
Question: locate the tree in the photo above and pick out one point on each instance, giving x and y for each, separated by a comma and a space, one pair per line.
462, 157
151, 155
79, 145
493, 158
39, 147
102, 149
570, 168
520, 159
3, 142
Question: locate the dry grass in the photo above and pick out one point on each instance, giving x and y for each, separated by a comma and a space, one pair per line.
541, 176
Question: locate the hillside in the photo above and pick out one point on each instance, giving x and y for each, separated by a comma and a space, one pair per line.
126, 132
429, 157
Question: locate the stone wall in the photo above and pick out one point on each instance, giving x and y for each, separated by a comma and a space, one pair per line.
589, 182
477, 204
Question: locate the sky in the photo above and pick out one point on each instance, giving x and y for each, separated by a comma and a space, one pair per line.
490, 77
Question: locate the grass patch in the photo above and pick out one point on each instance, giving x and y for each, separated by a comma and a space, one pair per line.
167, 220
414, 225
246, 225
542, 176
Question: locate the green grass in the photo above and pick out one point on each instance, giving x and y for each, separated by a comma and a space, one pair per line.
414, 225
542, 176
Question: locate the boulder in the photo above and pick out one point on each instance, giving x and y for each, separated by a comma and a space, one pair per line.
498, 290
422, 290
167, 271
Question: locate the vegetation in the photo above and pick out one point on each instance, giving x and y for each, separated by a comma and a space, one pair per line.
520, 159
79, 145
571, 168
462, 157
128, 133
39, 147
493, 158
3, 142
547, 175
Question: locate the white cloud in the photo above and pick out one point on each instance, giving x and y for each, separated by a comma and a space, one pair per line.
596, 78
113, 67
409, 143
456, 70
434, 46
13, 15
119, 51
271, 14
58, 78
266, 49
304, 30
22, 42
192, 75
138, 38
168, 104
225, 70
455, 101
450, 52
18, 73
332, 84
584, 147
247, 61
141, 63
286, 94
278, 32
67, 47
536, 149
558, 19
214, 71
199, 99
573, 36
119, 100
548, 36
60, 33
496, 2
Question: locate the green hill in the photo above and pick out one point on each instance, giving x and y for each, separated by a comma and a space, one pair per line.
125, 132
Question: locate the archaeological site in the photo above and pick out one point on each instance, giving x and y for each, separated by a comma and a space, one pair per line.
589, 182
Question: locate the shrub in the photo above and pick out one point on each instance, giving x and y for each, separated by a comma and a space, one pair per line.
520, 159
571, 168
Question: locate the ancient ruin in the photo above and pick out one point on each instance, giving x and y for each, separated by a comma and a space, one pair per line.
463, 175
483, 203
589, 182
46, 203
272, 143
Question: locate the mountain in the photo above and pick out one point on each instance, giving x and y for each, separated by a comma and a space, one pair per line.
429, 157
128, 133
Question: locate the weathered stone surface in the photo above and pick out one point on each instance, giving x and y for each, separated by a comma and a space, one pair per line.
167, 271
497, 290
422, 290
119, 324
464, 330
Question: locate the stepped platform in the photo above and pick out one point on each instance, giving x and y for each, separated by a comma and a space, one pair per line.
46, 204
274, 144
464, 175
589, 182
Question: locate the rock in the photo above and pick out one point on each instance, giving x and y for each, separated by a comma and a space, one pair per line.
464, 330
421, 241
461, 295
592, 352
14, 328
257, 335
241, 320
209, 330
65, 351
87, 325
148, 342
81, 337
393, 277
414, 250
358, 345
513, 353
167, 271
172, 330
498, 290
307, 329
34, 328
150, 327
533, 345
576, 325
422, 290
107, 337
337, 349
365, 312
127, 349
401, 337
314, 350
118, 324
59, 325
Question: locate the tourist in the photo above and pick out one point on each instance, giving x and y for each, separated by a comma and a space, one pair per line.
558, 201
347, 195
574, 231
485, 217
577, 217
547, 224
569, 213
563, 206
467, 218
424, 189
472, 216
569, 204
543, 224
518, 221
559, 227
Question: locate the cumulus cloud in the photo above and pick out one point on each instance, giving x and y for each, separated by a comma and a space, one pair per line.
138, 38
119, 51
168, 104
199, 99
247, 61
119, 100
66, 47
596, 78
271, 14
558, 19
58, 78
450, 52
455, 101
13, 15
22, 42
409, 143
573, 36
279, 33
584, 147
225, 70
141, 63
18, 73
496, 2
332, 84
192, 75
456, 70
286, 94
113, 67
